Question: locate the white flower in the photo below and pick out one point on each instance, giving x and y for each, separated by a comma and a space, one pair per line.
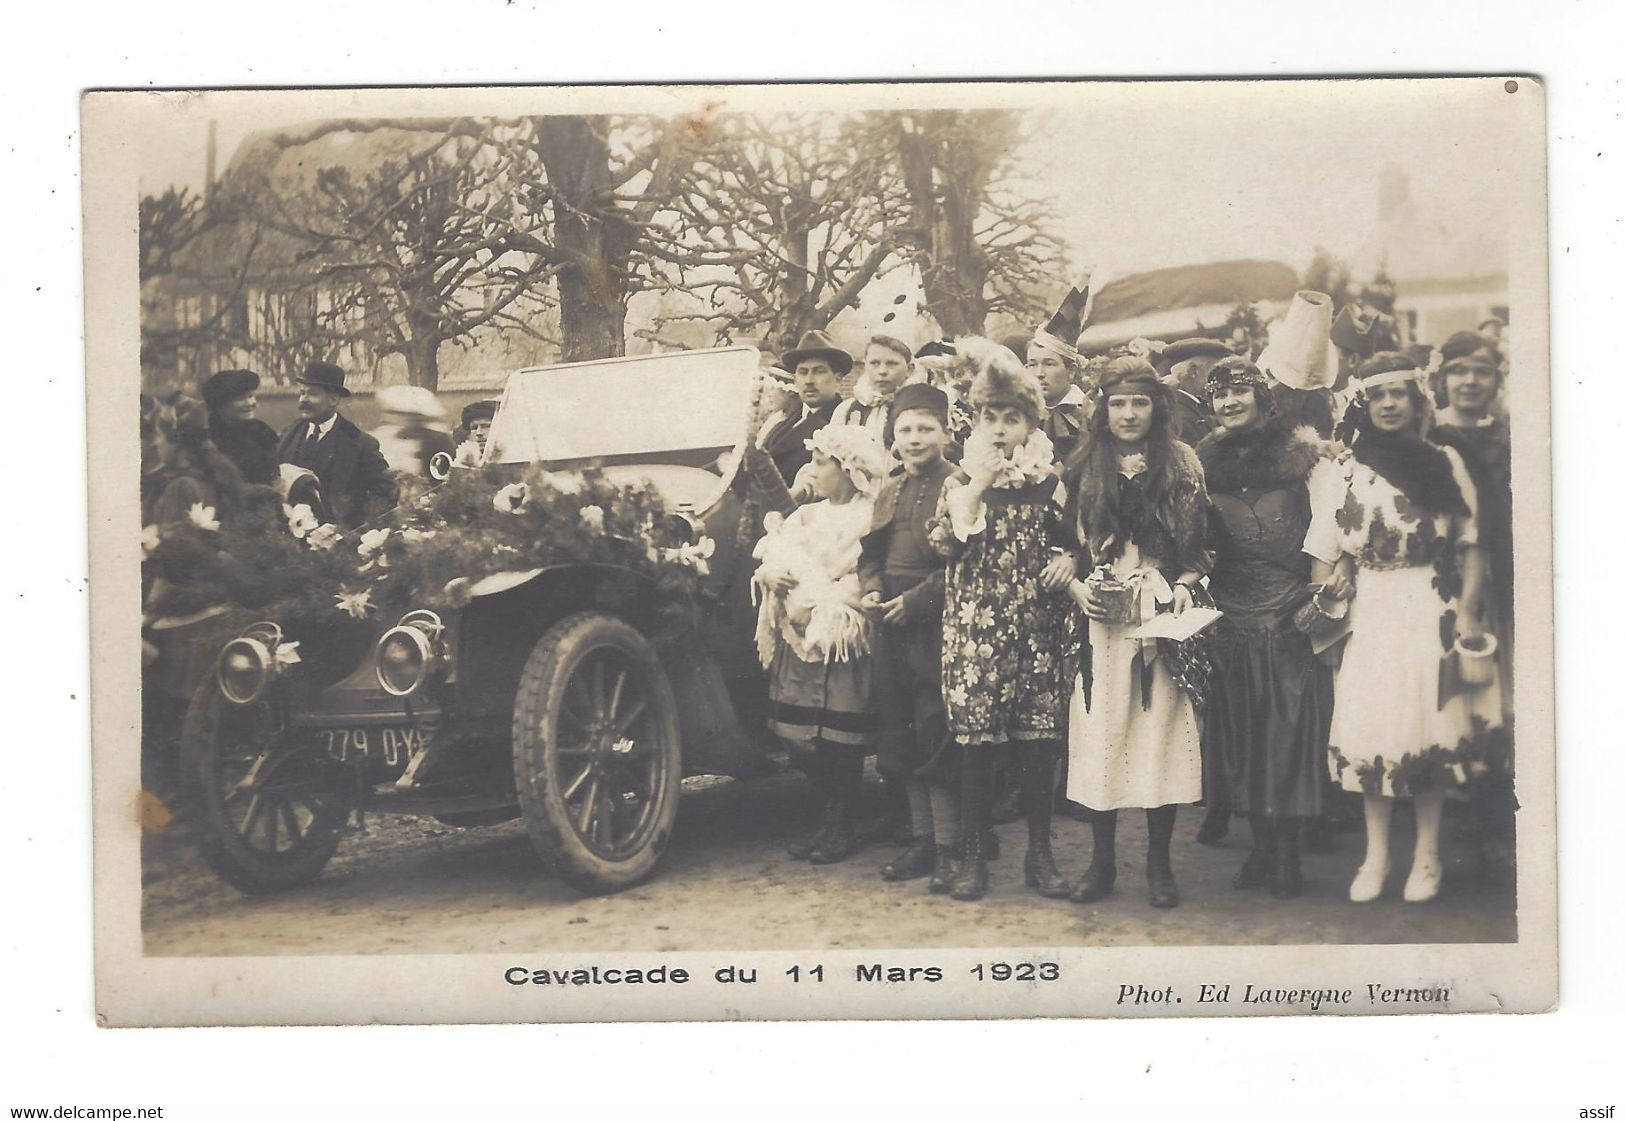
301, 520
413, 536
1132, 465
468, 454
324, 536
203, 517
357, 605
372, 541
696, 556
593, 518
149, 538
287, 654
512, 499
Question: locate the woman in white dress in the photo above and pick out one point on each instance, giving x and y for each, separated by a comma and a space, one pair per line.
1405, 723
1134, 733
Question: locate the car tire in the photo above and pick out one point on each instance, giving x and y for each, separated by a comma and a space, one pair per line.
273, 831
597, 756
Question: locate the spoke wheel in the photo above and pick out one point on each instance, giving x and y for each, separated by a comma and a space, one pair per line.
261, 803
596, 752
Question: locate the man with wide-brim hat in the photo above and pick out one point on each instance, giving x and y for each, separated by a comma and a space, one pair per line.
354, 478
234, 426
817, 365
1185, 364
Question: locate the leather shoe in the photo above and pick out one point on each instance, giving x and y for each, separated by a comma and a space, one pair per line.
913, 862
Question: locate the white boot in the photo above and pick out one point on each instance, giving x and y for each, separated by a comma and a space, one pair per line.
1427, 869
1373, 873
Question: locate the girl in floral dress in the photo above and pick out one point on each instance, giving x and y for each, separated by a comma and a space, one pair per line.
1005, 617
812, 635
1405, 724
1134, 734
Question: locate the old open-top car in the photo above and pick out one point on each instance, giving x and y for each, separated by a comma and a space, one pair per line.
562, 693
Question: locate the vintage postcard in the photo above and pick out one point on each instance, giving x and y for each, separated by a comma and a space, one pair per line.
957, 550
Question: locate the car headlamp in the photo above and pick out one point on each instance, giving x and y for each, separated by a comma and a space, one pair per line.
408, 652
246, 663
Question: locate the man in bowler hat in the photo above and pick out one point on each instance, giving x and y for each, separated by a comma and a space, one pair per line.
353, 475
1186, 364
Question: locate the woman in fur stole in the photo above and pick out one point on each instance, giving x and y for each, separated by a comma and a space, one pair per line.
812, 634
1134, 733
1275, 491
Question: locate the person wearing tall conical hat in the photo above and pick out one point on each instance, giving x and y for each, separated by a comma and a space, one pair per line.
1052, 357
888, 364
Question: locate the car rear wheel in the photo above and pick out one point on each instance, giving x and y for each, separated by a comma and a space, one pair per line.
597, 759
260, 802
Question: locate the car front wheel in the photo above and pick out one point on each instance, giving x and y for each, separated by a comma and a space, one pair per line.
596, 753
261, 802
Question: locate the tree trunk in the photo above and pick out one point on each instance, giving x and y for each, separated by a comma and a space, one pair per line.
592, 232
953, 268
423, 361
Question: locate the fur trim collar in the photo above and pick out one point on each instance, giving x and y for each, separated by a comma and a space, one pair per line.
1274, 454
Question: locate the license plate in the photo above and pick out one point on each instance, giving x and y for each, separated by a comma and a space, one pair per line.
394, 745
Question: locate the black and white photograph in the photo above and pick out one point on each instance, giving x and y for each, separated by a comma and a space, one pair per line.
817, 551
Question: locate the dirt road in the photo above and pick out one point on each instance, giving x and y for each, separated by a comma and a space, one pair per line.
411, 885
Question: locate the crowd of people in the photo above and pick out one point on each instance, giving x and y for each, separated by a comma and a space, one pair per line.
978, 566
992, 548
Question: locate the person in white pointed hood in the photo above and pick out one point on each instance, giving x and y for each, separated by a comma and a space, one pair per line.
888, 364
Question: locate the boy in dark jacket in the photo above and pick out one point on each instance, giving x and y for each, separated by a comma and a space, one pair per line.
902, 580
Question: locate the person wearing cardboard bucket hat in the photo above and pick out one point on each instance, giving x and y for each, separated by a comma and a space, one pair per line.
1406, 725
248, 442
350, 470
1299, 357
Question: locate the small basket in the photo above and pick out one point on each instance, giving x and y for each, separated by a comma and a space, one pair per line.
1117, 599
1319, 616
1477, 667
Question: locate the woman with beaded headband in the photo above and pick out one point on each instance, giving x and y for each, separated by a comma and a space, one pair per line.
1140, 510
1405, 724
812, 635
1275, 491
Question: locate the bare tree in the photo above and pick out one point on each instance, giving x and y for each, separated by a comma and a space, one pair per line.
172, 228
416, 251
776, 225
983, 244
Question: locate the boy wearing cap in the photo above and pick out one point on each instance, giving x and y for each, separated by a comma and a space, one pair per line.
902, 579
345, 460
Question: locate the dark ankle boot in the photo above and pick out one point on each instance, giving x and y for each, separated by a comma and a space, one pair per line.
946, 870
836, 844
1159, 869
1286, 874
975, 803
971, 882
1256, 869
1101, 876
803, 847
913, 862
1038, 796
1215, 825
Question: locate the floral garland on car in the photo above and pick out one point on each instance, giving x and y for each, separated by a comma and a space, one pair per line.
286, 566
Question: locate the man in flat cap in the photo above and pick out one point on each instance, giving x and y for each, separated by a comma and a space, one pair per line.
248, 442
353, 475
1186, 363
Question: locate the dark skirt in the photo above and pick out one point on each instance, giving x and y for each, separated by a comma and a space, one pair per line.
1268, 720
827, 702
